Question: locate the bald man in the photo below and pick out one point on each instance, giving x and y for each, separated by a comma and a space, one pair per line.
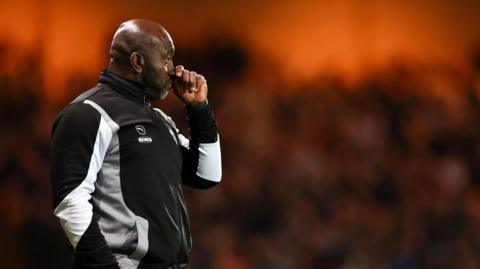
118, 164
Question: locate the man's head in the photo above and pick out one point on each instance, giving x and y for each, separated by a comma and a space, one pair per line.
143, 50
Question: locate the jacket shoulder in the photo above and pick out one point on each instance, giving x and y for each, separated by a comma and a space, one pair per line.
77, 115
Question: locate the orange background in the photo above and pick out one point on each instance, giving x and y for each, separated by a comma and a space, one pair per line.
349, 129
305, 37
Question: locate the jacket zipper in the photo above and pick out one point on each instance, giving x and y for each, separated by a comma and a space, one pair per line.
180, 224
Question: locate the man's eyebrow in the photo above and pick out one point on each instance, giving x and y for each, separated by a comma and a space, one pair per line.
169, 51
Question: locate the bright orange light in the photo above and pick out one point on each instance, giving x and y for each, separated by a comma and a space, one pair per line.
305, 37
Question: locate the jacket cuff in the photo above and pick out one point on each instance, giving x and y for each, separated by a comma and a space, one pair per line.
203, 127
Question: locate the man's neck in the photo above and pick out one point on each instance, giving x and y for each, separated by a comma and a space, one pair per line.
122, 71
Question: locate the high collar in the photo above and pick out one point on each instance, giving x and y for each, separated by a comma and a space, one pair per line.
130, 89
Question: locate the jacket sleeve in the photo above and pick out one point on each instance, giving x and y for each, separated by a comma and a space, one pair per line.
202, 163
80, 139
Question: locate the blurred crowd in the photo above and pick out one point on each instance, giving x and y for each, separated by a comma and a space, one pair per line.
319, 174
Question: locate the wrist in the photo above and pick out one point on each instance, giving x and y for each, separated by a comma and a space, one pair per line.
197, 106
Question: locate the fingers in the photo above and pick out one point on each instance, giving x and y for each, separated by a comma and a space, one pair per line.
201, 82
190, 79
189, 86
179, 70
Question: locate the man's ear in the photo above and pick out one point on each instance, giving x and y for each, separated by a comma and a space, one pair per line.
137, 62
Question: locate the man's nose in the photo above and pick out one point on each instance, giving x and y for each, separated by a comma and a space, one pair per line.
170, 69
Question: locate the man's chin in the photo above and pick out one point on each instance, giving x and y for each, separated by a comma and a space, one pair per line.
155, 95
163, 95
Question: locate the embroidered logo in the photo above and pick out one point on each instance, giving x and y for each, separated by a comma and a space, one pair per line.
145, 139
140, 129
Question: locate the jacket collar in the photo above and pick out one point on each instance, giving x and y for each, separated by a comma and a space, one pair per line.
130, 89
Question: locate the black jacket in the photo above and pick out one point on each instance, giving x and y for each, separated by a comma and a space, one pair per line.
117, 171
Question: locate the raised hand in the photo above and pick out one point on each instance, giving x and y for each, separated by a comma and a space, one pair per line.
189, 86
